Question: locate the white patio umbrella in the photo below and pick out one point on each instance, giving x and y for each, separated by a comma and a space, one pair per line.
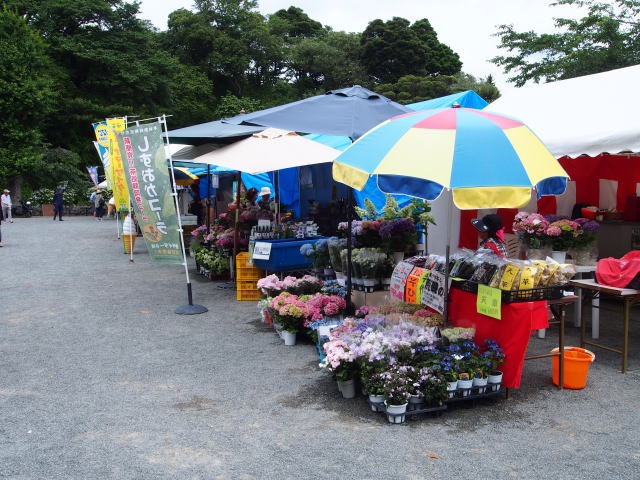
268, 151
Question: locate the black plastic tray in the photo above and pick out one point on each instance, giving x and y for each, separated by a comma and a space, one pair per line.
515, 296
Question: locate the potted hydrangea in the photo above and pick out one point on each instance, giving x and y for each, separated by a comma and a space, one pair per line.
495, 356
396, 392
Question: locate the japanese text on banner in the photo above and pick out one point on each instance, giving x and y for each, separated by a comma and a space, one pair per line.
102, 146
118, 181
148, 180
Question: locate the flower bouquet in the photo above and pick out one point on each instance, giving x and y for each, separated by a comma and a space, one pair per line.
399, 235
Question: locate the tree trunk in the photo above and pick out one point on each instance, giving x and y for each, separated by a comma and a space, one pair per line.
15, 187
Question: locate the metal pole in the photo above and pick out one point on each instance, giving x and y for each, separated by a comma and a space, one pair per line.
208, 203
190, 308
349, 246
235, 229
446, 268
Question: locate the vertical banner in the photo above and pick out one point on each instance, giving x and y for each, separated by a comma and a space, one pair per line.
93, 174
119, 182
148, 180
102, 145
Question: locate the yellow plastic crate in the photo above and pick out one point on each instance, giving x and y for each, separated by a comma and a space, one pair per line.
247, 291
249, 274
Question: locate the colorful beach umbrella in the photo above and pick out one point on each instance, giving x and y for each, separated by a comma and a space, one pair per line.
487, 160
184, 176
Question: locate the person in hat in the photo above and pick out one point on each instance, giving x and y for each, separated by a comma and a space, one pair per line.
265, 198
5, 201
58, 203
100, 205
491, 234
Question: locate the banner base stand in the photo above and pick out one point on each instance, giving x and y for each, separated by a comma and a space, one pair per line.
191, 309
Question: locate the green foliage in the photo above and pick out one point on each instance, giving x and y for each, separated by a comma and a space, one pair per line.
605, 38
369, 212
396, 48
27, 96
415, 88
230, 106
418, 210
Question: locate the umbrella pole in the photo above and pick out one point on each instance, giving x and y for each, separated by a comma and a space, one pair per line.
349, 246
235, 228
208, 198
446, 269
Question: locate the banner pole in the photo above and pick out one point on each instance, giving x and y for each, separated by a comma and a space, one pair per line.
190, 308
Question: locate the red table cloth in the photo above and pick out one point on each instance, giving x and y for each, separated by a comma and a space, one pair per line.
512, 332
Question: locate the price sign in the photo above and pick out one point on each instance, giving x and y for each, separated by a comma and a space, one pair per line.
399, 280
411, 290
433, 293
489, 301
262, 251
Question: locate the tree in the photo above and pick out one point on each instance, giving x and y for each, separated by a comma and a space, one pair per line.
415, 88
293, 23
26, 101
327, 62
396, 48
605, 38
230, 106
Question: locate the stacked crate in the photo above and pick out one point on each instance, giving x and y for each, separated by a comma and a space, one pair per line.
247, 277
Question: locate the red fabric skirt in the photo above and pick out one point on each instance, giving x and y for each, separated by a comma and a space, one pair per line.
512, 332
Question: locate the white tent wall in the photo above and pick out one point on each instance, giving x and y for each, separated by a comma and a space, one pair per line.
584, 115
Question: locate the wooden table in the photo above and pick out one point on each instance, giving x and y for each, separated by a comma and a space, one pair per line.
558, 310
591, 290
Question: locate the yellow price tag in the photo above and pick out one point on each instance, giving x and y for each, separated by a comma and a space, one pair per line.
510, 274
489, 302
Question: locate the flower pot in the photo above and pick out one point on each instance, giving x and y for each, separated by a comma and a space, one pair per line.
398, 257
494, 381
559, 256
452, 387
289, 338
378, 400
395, 413
480, 383
415, 401
465, 386
537, 253
348, 388
369, 284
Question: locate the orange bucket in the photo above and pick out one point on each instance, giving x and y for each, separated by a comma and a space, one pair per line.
576, 367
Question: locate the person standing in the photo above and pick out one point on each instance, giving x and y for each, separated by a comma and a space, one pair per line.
92, 201
491, 234
1, 218
100, 204
5, 200
58, 203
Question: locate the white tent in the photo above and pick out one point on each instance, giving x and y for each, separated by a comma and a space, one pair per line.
589, 115
268, 151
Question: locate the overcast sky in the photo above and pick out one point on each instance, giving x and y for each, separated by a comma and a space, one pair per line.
467, 26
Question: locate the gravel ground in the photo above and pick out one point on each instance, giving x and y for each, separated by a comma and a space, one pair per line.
99, 379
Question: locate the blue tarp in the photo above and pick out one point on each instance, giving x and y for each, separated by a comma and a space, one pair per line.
468, 99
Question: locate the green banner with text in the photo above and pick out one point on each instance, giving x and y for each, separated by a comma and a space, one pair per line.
145, 166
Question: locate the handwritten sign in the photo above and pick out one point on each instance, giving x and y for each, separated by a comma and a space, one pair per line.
399, 280
434, 292
411, 291
489, 301
262, 251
